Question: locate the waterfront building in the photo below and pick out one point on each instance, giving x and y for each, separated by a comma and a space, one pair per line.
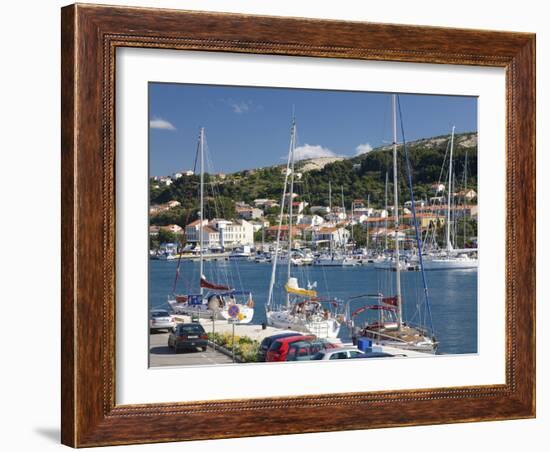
338, 236
220, 232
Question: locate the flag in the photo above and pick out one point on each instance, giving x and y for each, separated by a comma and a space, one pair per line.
392, 301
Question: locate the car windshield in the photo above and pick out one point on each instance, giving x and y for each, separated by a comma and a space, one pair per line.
318, 356
160, 314
275, 346
266, 343
191, 329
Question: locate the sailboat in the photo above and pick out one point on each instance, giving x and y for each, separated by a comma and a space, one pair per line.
303, 310
388, 327
451, 258
212, 300
335, 258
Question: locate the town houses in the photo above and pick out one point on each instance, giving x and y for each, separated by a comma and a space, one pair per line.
156, 209
332, 235
220, 233
315, 226
249, 213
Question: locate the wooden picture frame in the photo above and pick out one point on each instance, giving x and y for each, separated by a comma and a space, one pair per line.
90, 36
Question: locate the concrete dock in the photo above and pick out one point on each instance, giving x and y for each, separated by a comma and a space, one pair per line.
256, 332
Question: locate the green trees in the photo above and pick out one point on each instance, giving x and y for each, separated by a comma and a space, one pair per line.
258, 235
167, 237
360, 176
176, 215
163, 236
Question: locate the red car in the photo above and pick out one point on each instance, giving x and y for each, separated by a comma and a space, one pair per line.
306, 350
279, 348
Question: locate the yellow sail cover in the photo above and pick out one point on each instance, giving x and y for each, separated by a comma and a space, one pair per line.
292, 287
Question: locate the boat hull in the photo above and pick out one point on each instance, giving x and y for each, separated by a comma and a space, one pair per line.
324, 328
336, 262
449, 264
407, 338
204, 312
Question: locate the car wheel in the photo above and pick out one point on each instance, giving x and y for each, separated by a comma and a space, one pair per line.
203, 348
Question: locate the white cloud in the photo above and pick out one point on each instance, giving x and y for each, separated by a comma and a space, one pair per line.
241, 107
159, 123
310, 151
363, 149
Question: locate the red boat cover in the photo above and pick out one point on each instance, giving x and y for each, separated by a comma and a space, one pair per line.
375, 307
208, 285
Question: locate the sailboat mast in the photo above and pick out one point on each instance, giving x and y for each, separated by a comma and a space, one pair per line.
449, 190
344, 217
343, 201
368, 214
290, 204
464, 198
281, 214
351, 223
386, 218
396, 218
329, 196
201, 214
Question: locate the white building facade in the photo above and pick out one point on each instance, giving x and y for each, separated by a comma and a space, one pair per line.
220, 232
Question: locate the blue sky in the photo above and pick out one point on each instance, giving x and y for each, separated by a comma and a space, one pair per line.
249, 127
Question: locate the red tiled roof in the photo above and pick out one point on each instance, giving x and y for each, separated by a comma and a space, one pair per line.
194, 223
327, 230
276, 228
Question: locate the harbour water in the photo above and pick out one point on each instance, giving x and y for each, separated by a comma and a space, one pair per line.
452, 294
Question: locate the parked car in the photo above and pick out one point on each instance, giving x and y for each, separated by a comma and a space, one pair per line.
188, 336
305, 350
266, 343
160, 319
339, 353
279, 348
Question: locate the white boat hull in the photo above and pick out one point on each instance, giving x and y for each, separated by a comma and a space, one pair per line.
202, 311
334, 262
449, 264
323, 328
390, 265
423, 347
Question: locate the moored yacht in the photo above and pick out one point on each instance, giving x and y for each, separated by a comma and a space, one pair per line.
301, 309
386, 325
211, 300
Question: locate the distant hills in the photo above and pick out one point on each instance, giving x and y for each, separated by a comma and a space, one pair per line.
359, 177
462, 141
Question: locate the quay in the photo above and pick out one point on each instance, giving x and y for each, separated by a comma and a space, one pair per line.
258, 333
255, 332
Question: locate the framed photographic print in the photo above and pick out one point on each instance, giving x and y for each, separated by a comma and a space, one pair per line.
282, 225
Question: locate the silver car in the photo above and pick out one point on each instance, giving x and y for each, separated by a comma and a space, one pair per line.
338, 353
160, 319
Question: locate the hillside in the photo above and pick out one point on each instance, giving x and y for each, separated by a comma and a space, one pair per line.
360, 176
316, 164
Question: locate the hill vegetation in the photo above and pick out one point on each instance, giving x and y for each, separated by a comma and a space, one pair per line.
360, 176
